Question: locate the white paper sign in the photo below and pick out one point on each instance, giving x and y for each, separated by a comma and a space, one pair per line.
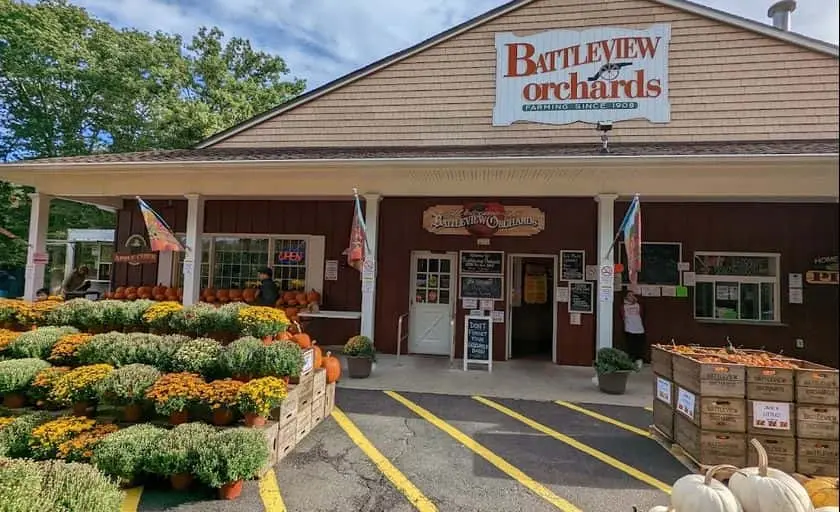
607, 275
683, 266
188, 270
651, 291
795, 280
574, 318
795, 295
689, 278
663, 390
562, 294
598, 74
469, 303
369, 270
669, 291
591, 273
487, 304
771, 415
498, 317
605, 295
476, 312
685, 402
331, 270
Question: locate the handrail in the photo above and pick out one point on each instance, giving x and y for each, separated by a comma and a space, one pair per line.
452, 343
403, 317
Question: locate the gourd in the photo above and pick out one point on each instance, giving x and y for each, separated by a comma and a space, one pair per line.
702, 493
763, 489
333, 367
823, 491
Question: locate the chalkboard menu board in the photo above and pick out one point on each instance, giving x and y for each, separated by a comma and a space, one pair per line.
660, 263
478, 341
572, 265
581, 296
475, 287
477, 262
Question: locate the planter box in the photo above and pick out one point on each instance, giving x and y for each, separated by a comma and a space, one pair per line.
781, 452
787, 410
709, 379
817, 458
817, 384
287, 440
710, 447
817, 422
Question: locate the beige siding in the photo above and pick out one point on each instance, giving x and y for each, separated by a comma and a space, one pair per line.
726, 83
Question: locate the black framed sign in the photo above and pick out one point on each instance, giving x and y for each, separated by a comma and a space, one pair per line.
481, 287
482, 262
581, 296
478, 341
572, 265
660, 263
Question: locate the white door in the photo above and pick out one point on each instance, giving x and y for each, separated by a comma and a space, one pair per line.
432, 300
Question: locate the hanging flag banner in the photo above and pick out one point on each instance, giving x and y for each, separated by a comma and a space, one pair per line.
358, 248
631, 227
160, 236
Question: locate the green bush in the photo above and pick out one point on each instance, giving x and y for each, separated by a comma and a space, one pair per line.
126, 453
17, 374
79, 313
21, 487
197, 356
15, 437
231, 455
242, 357
79, 487
611, 360
133, 313
281, 359
38, 343
128, 384
158, 351
360, 346
120, 349
199, 320
110, 315
99, 349
177, 451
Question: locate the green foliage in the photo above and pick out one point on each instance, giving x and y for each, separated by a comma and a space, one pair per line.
17, 374
128, 384
243, 357
126, 453
281, 359
611, 360
231, 455
360, 346
38, 343
177, 451
21, 486
197, 356
15, 437
74, 486
119, 349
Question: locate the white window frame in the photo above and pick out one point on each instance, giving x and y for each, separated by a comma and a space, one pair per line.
315, 247
775, 281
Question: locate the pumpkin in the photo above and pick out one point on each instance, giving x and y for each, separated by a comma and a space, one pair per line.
318, 355
108, 295
120, 289
291, 312
119, 296
303, 340
285, 336
763, 489
301, 299
249, 295
131, 290
131, 296
823, 491
235, 295
702, 493
313, 296
159, 297
333, 367
287, 296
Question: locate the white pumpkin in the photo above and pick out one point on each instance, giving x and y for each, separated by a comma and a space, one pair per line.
765, 489
699, 493
661, 508
828, 509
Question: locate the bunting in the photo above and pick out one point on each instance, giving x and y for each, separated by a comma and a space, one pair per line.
160, 236
631, 227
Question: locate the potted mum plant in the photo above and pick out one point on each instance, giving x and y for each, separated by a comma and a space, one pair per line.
127, 386
159, 316
262, 322
229, 457
79, 387
176, 454
258, 397
241, 359
360, 356
222, 397
282, 359
173, 393
613, 366
15, 377
196, 356
39, 392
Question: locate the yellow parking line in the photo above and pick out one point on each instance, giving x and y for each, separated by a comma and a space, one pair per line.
605, 419
603, 457
537, 488
270, 493
403, 484
649, 408
131, 499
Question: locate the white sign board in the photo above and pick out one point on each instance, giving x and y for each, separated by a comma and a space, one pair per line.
595, 75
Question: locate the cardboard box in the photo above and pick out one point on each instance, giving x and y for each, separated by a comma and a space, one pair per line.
317, 411
712, 413
817, 422
710, 447
287, 440
288, 409
781, 452
303, 423
319, 383
775, 419
329, 399
817, 458
817, 384
722, 380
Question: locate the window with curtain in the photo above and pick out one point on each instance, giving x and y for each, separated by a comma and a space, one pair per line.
736, 286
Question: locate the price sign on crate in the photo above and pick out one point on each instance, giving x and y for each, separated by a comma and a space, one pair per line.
685, 402
772, 415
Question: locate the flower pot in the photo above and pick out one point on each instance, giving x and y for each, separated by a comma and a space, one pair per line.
614, 383
80, 408
181, 481
132, 413
358, 367
222, 416
254, 420
268, 340
178, 417
14, 400
231, 490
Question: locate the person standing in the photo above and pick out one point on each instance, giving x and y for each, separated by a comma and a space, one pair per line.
267, 294
634, 328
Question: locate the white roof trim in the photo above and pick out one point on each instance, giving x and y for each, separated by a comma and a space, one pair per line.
684, 5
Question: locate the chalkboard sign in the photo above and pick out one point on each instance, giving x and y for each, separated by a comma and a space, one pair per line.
478, 341
475, 287
660, 263
572, 265
487, 262
581, 296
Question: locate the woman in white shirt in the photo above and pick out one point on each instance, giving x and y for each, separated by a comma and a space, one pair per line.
634, 329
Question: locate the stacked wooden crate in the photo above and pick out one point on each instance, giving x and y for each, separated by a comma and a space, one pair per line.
817, 389
771, 414
663, 391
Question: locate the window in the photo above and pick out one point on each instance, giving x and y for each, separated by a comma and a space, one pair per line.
97, 257
289, 264
736, 286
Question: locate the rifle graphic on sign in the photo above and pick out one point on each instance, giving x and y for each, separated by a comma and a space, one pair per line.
609, 71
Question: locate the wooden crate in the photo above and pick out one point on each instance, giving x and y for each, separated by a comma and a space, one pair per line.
817, 458
817, 384
710, 447
709, 379
781, 452
303, 423
785, 415
817, 422
287, 440
660, 361
329, 399
288, 409
714, 413
317, 411
770, 384
319, 383
305, 393
663, 419
271, 431
308, 366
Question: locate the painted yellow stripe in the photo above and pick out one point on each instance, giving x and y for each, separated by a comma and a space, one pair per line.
605, 419
131, 499
603, 457
649, 408
403, 484
535, 487
270, 493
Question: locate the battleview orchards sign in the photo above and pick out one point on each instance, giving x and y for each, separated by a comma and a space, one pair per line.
483, 220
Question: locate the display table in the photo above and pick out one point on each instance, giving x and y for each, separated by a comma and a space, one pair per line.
342, 315
321, 327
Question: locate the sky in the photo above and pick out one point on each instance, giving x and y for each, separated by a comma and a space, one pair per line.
322, 40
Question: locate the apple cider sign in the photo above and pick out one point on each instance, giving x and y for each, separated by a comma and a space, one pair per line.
483, 220
596, 75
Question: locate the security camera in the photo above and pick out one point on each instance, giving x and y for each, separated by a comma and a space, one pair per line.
604, 126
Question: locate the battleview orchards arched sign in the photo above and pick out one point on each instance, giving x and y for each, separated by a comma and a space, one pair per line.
483, 220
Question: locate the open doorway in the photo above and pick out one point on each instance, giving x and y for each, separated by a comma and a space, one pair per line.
532, 305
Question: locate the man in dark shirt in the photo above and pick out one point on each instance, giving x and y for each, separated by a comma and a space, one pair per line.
267, 294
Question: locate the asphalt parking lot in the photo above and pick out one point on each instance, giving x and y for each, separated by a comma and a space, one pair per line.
383, 451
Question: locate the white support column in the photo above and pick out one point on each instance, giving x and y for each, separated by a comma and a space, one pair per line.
606, 235
192, 258
39, 218
369, 291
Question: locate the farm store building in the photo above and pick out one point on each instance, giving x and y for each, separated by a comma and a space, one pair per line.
486, 188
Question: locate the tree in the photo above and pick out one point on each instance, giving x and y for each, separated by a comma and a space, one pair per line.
71, 84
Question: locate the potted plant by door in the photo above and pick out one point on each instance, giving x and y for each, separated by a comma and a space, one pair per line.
613, 366
360, 356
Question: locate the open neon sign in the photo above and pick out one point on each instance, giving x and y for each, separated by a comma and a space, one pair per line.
291, 256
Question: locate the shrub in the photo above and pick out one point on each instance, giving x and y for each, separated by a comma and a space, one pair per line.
100, 348
80, 384
44, 382
221, 393
32, 314
21, 487
198, 320
9, 310
261, 321
17, 374
47, 437
159, 315
125, 454
38, 343
177, 451
360, 346
16, 436
110, 315
175, 392
134, 312
128, 384
6, 338
197, 356
159, 351
260, 396
242, 357
231, 455
610, 360
79, 313
64, 351
79, 487
281, 359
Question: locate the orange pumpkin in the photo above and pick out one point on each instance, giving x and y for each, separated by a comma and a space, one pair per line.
249, 295
291, 312
319, 355
160, 298
131, 296
333, 367
131, 290
108, 295
235, 295
301, 299
120, 289
303, 340
158, 290
285, 336
288, 296
313, 296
